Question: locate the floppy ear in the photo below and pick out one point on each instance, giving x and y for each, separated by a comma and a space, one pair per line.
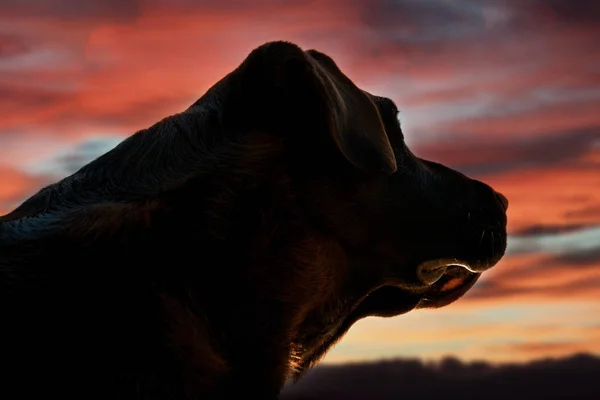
356, 126
307, 90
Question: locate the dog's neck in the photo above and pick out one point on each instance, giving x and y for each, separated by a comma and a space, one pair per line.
237, 195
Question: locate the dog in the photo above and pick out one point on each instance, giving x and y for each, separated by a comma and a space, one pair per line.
226, 248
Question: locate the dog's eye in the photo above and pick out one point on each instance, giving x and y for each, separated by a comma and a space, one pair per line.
396, 112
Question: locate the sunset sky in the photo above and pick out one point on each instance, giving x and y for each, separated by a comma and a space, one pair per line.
505, 91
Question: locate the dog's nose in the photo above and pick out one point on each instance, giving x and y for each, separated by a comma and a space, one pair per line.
502, 200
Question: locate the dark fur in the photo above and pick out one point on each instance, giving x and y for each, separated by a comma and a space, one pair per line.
229, 246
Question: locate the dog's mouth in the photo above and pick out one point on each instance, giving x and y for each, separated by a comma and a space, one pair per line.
431, 271
446, 280
441, 282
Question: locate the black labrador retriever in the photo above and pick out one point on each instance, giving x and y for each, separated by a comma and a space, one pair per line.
228, 247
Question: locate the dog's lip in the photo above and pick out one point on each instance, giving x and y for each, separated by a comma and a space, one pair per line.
455, 282
449, 279
431, 271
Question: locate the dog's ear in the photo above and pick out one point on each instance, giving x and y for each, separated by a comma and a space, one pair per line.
307, 91
355, 124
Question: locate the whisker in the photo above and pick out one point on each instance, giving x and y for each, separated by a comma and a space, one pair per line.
482, 235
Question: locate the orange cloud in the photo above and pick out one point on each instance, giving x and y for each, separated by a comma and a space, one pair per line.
553, 195
586, 340
14, 187
547, 120
124, 76
544, 349
495, 332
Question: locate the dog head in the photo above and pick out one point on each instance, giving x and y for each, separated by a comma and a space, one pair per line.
413, 233
302, 181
